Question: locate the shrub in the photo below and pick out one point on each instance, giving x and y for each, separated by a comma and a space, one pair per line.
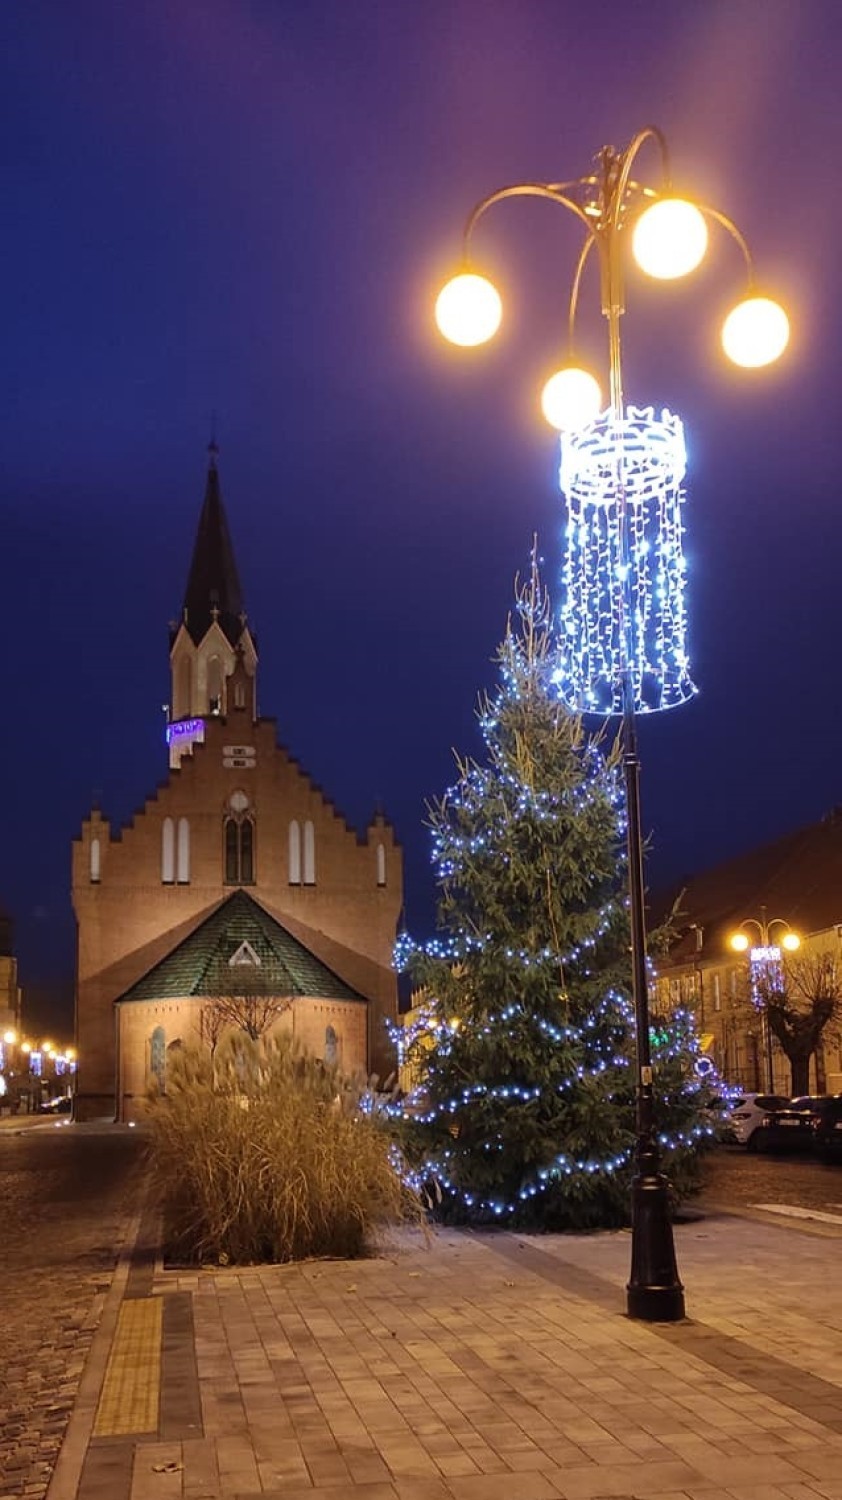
263, 1154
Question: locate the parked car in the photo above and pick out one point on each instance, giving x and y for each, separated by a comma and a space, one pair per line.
747, 1112
784, 1129
59, 1106
827, 1129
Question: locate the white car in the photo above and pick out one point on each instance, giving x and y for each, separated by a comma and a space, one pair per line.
747, 1112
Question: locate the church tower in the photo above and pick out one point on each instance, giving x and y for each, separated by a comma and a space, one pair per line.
213, 655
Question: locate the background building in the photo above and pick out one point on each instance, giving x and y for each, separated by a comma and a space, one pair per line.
158, 933
793, 885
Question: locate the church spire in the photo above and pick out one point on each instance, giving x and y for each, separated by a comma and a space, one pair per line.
213, 585
213, 655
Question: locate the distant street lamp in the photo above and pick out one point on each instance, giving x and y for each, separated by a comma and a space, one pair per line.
623, 647
765, 961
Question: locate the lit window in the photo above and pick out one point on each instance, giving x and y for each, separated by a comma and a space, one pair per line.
95, 864
309, 854
168, 852
381, 865
717, 993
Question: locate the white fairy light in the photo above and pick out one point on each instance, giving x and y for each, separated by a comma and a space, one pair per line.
623, 600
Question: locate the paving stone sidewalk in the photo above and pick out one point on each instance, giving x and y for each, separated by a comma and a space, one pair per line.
496, 1368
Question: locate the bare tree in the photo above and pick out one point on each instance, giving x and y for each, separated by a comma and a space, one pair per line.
249, 997
802, 998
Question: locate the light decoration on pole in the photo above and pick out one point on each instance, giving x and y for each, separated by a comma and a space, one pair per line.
628, 652
765, 972
637, 462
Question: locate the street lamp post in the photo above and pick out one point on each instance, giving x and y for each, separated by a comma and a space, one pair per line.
764, 967
623, 647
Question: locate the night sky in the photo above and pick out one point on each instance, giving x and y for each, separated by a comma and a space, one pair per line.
246, 206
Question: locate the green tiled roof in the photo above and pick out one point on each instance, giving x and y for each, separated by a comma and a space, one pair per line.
200, 965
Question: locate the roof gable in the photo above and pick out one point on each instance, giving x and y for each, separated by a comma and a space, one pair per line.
240, 948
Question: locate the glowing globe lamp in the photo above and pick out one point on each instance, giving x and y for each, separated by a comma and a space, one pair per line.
790, 941
571, 399
670, 239
739, 942
468, 310
755, 332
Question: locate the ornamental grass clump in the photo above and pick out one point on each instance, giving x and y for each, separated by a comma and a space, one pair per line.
261, 1153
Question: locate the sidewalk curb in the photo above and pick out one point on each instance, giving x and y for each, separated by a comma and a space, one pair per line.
67, 1474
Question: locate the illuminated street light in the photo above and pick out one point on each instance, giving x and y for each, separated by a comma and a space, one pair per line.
670, 238
571, 399
623, 623
10, 1037
765, 972
468, 310
755, 333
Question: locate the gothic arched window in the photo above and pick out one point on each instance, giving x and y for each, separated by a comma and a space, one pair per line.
158, 1056
238, 839
215, 685
331, 1046
294, 852
309, 854
183, 852
168, 852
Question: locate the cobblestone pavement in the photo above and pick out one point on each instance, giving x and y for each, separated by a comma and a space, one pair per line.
65, 1198
737, 1178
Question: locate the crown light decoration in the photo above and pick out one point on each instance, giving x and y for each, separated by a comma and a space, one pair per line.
623, 572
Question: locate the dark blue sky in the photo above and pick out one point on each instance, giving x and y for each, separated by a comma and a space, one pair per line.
247, 207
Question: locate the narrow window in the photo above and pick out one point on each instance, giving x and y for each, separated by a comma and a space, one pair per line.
183, 852
95, 866
331, 1056
239, 851
240, 695
717, 993
232, 852
381, 865
309, 854
215, 685
184, 683
158, 1057
294, 853
168, 852
246, 852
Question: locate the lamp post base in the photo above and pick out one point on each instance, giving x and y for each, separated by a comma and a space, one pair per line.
654, 1292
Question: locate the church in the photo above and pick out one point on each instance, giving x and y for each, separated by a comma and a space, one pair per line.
237, 878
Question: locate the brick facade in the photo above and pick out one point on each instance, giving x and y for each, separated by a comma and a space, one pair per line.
135, 902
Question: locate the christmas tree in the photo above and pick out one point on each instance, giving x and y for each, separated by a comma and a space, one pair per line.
522, 1043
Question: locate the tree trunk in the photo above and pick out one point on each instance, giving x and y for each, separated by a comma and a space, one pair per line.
800, 1067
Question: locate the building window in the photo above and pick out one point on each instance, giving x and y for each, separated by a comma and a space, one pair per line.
158, 1057
331, 1056
294, 853
381, 865
717, 993
239, 695
183, 875
309, 854
184, 690
95, 864
215, 685
168, 852
239, 851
